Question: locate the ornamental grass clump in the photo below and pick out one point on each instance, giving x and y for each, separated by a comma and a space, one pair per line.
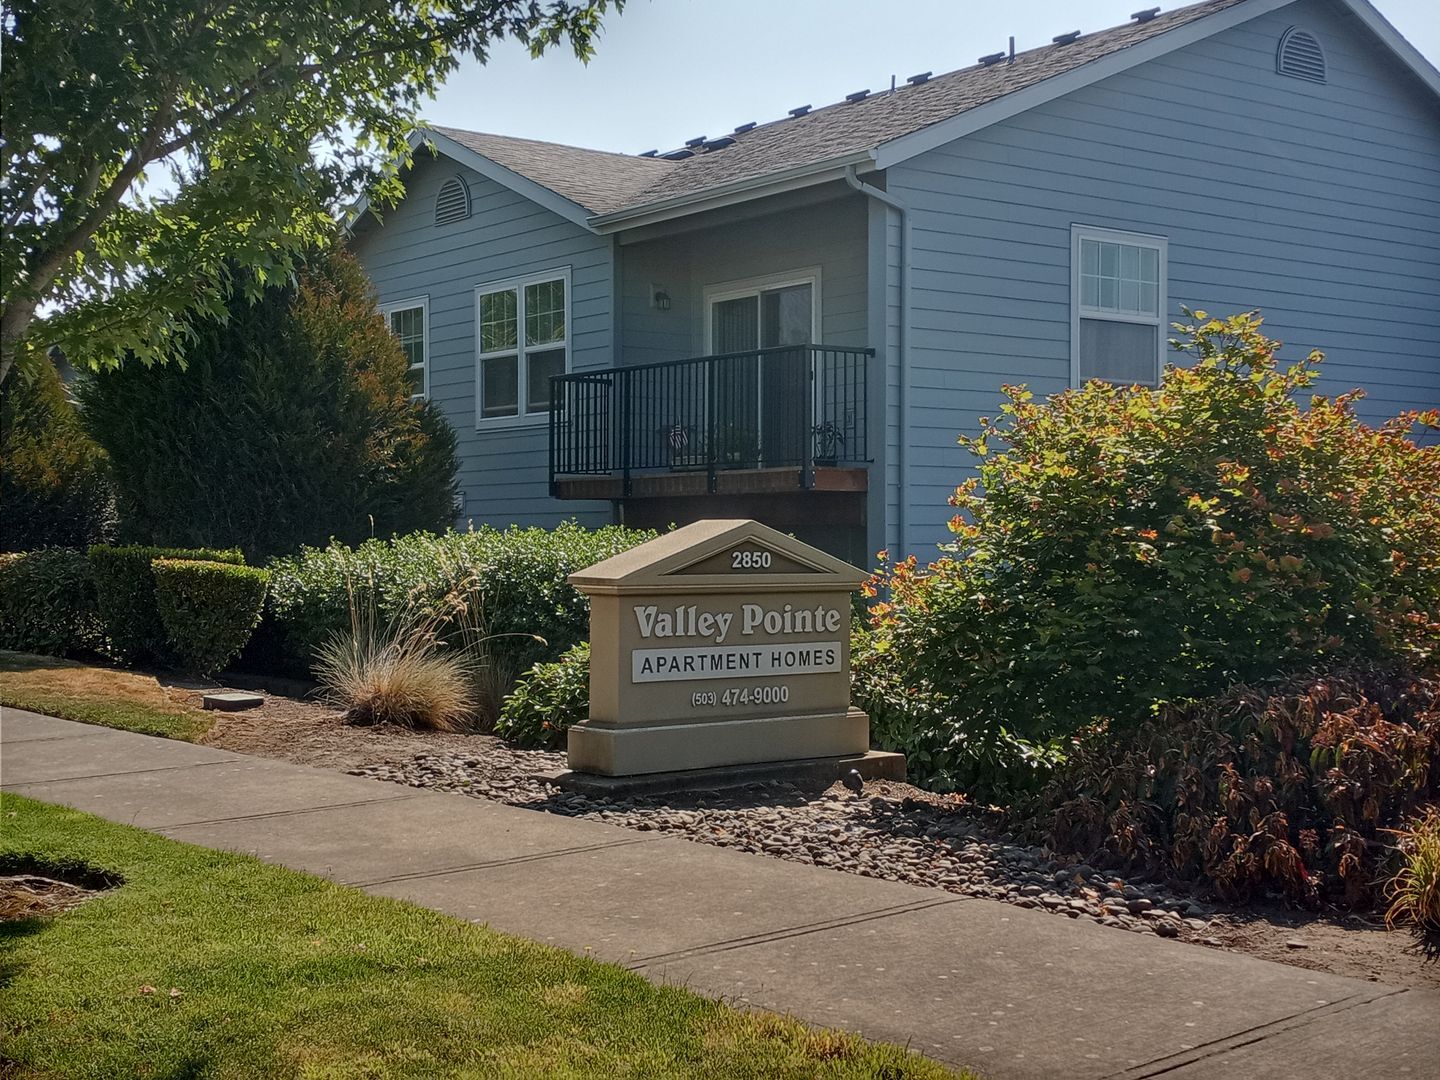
429, 663
395, 671
1124, 546
1414, 892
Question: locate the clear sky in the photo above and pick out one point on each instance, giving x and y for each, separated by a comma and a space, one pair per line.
669, 70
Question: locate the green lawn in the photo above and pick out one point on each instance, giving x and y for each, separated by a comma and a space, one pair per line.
280, 974
97, 695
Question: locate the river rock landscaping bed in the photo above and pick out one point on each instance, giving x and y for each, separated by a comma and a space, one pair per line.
892, 831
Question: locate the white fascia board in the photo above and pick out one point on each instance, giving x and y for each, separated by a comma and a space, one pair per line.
1395, 41
755, 187
938, 134
536, 193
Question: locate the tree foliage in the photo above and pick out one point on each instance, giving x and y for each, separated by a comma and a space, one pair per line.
290, 423
54, 490
158, 153
1121, 546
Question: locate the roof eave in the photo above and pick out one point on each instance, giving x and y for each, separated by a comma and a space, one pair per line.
1395, 41
801, 176
361, 207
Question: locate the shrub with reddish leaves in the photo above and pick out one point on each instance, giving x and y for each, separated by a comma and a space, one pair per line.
1287, 789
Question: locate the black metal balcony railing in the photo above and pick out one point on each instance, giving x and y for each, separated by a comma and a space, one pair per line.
795, 406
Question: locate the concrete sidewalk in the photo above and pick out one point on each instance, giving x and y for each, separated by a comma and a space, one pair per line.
1013, 993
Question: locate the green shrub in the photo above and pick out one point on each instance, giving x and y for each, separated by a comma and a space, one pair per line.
208, 609
54, 486
1286, 788
290, 422
125, 595
512, 581
47, 603
1123, 546
547, 700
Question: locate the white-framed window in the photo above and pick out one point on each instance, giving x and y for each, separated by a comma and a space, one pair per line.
762, 312
409, 321
1118, 305
522, 338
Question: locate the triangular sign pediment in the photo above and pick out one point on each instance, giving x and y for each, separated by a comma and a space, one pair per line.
718, 553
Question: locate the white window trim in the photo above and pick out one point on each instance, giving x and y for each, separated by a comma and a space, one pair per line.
423, 303
754, 286
522, 418
1117, 236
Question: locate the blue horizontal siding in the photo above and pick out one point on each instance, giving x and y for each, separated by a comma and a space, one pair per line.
830, 235
504, 471
1318, 204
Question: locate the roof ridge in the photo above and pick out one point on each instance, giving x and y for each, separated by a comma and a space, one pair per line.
751, 131
936, 85
819, 111
445, 129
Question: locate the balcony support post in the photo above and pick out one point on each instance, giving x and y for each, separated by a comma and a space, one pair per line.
711, 388
624, 391
807, 424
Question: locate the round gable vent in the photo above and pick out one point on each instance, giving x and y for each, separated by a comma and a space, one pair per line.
1300, 56
452, 203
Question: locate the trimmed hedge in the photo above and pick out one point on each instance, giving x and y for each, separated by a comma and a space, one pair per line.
547, 700
515, 577
125, 593
47, 603
208, 609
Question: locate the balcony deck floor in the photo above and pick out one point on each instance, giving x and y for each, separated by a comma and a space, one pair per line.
667, 485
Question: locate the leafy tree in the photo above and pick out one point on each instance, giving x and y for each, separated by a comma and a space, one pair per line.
289, 422
1122, 546
158, 153
54, 491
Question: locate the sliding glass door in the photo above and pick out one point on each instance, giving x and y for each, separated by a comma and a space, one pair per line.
764, 414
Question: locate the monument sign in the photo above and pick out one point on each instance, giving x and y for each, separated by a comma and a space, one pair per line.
722, 643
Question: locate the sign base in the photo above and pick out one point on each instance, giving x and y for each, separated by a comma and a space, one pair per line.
631, 751
817, 772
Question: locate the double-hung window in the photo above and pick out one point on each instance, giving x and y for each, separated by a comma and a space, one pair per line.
409, 321
1118, 302
523, 330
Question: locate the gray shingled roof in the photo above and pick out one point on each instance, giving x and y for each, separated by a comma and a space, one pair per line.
598, 180
604, 182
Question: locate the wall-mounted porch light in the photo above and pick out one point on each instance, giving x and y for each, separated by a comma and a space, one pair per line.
659, 299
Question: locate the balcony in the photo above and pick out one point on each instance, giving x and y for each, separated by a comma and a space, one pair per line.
769, 421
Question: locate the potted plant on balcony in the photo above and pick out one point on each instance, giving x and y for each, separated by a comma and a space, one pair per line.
829, 438
677, 441
736, 447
